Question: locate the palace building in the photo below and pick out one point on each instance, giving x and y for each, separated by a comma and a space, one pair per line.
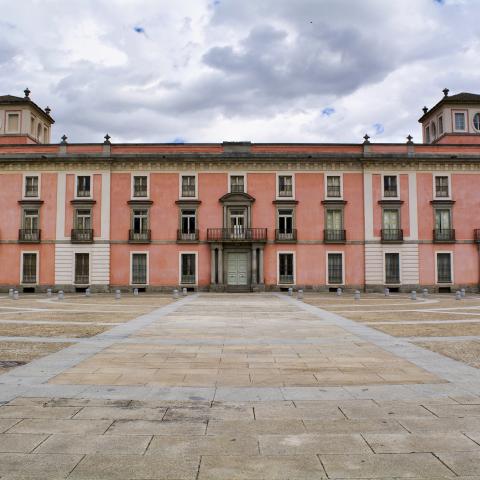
240, 216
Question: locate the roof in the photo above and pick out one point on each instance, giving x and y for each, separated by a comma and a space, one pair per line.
462, 98
11, 99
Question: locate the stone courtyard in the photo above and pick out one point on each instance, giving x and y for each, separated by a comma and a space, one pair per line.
240, 386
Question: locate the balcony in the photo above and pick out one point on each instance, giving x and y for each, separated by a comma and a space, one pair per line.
334, 236
29, 235
237, 234
144, 236
444, 235
281, 236
391, 235
285, 279
187, 237
82, 235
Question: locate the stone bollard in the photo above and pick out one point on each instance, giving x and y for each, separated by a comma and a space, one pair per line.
15, 295
10, 292
339, 291
413, 295
175, 293
60, 295
290, 291
462, 293
87, 292
184, 292
117, 295
424, 293
387, 292
300, 294
49, 292
356, 295
135, 292
458, 295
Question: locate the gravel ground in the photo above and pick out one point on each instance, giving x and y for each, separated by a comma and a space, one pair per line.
467, 352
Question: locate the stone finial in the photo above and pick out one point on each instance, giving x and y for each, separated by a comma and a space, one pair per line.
366, 138
445, 92
27, 92
64, 139
107, 138
409, 139
425, 110
48, 110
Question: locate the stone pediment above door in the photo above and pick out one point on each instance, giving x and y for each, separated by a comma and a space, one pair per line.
236, 198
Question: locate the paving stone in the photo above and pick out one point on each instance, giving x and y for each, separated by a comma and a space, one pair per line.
456, 410
395, 410
6, 423
210, 413
204, 445
33, 411
248, 427
78, 427
36, 466
19, 442
440, 425
407, 443
353, 426
133, 467
413, 465
300, 467
462, 463
155, 427
113, 412
291, 412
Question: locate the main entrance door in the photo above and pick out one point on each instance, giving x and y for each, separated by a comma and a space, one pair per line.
237, 269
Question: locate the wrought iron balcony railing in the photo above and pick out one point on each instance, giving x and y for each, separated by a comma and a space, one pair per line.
283, 236
444, 235
29, 235
188, 279
286, 279
187, 236
237, 234
334, 236
391, 235
143, 236
82, 235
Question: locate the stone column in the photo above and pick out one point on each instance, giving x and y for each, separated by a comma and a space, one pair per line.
220, 265
254, 265
212, 265
261, 280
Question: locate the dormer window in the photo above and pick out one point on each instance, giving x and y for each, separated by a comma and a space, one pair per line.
476, 121
459, 121
84, 186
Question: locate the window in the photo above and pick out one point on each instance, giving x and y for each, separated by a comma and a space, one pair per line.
39, 132
334, 189
140, 186
188, 268
83, 186
427, 134
83, 219
82, 268
188, 222
285, 268
390, 187
285, 186
441, 186
391, 219
188, 186
459, 121
443, 219
32, 126
434, 131
335, 268
392, 268
13, 122
237, 184
285, 224
45, 135
31, 186
334, 219
30, 220
444, 268
440, 125
139, 268
140, 221
29, 268
476, 121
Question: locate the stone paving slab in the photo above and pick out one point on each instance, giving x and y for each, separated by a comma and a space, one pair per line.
20, 443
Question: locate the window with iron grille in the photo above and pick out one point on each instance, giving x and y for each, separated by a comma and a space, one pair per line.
31, 186
188, 268
140, 220
392, 268
444, 268
335, 268
139, 268
82, 268
285, 268
333, 186
140, 186
189, 222
188, 186
285, 221
285, 186
29, 273
390, 188
83, 186
237, 184
441, 186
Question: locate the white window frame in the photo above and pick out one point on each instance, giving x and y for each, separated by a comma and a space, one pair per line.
185, 252
86, 174
384, 266
132, 185
187, 174
449, 176
382, 187
285, 174
24, 184
465, 120
327, 253
37, 273
281, 252
8, 114
131, 268
90, 255
452, 269
237, 174
333, 174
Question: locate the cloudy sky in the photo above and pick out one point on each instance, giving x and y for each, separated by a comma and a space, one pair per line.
259, 70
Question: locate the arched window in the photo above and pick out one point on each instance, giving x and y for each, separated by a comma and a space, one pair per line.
476, 121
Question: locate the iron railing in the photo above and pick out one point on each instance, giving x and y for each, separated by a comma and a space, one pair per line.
82, 235
187, 236
237, 234
334, 236
283, 236
391, 235
187, 279
29, 235
286, 279
443, 235
144, 236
